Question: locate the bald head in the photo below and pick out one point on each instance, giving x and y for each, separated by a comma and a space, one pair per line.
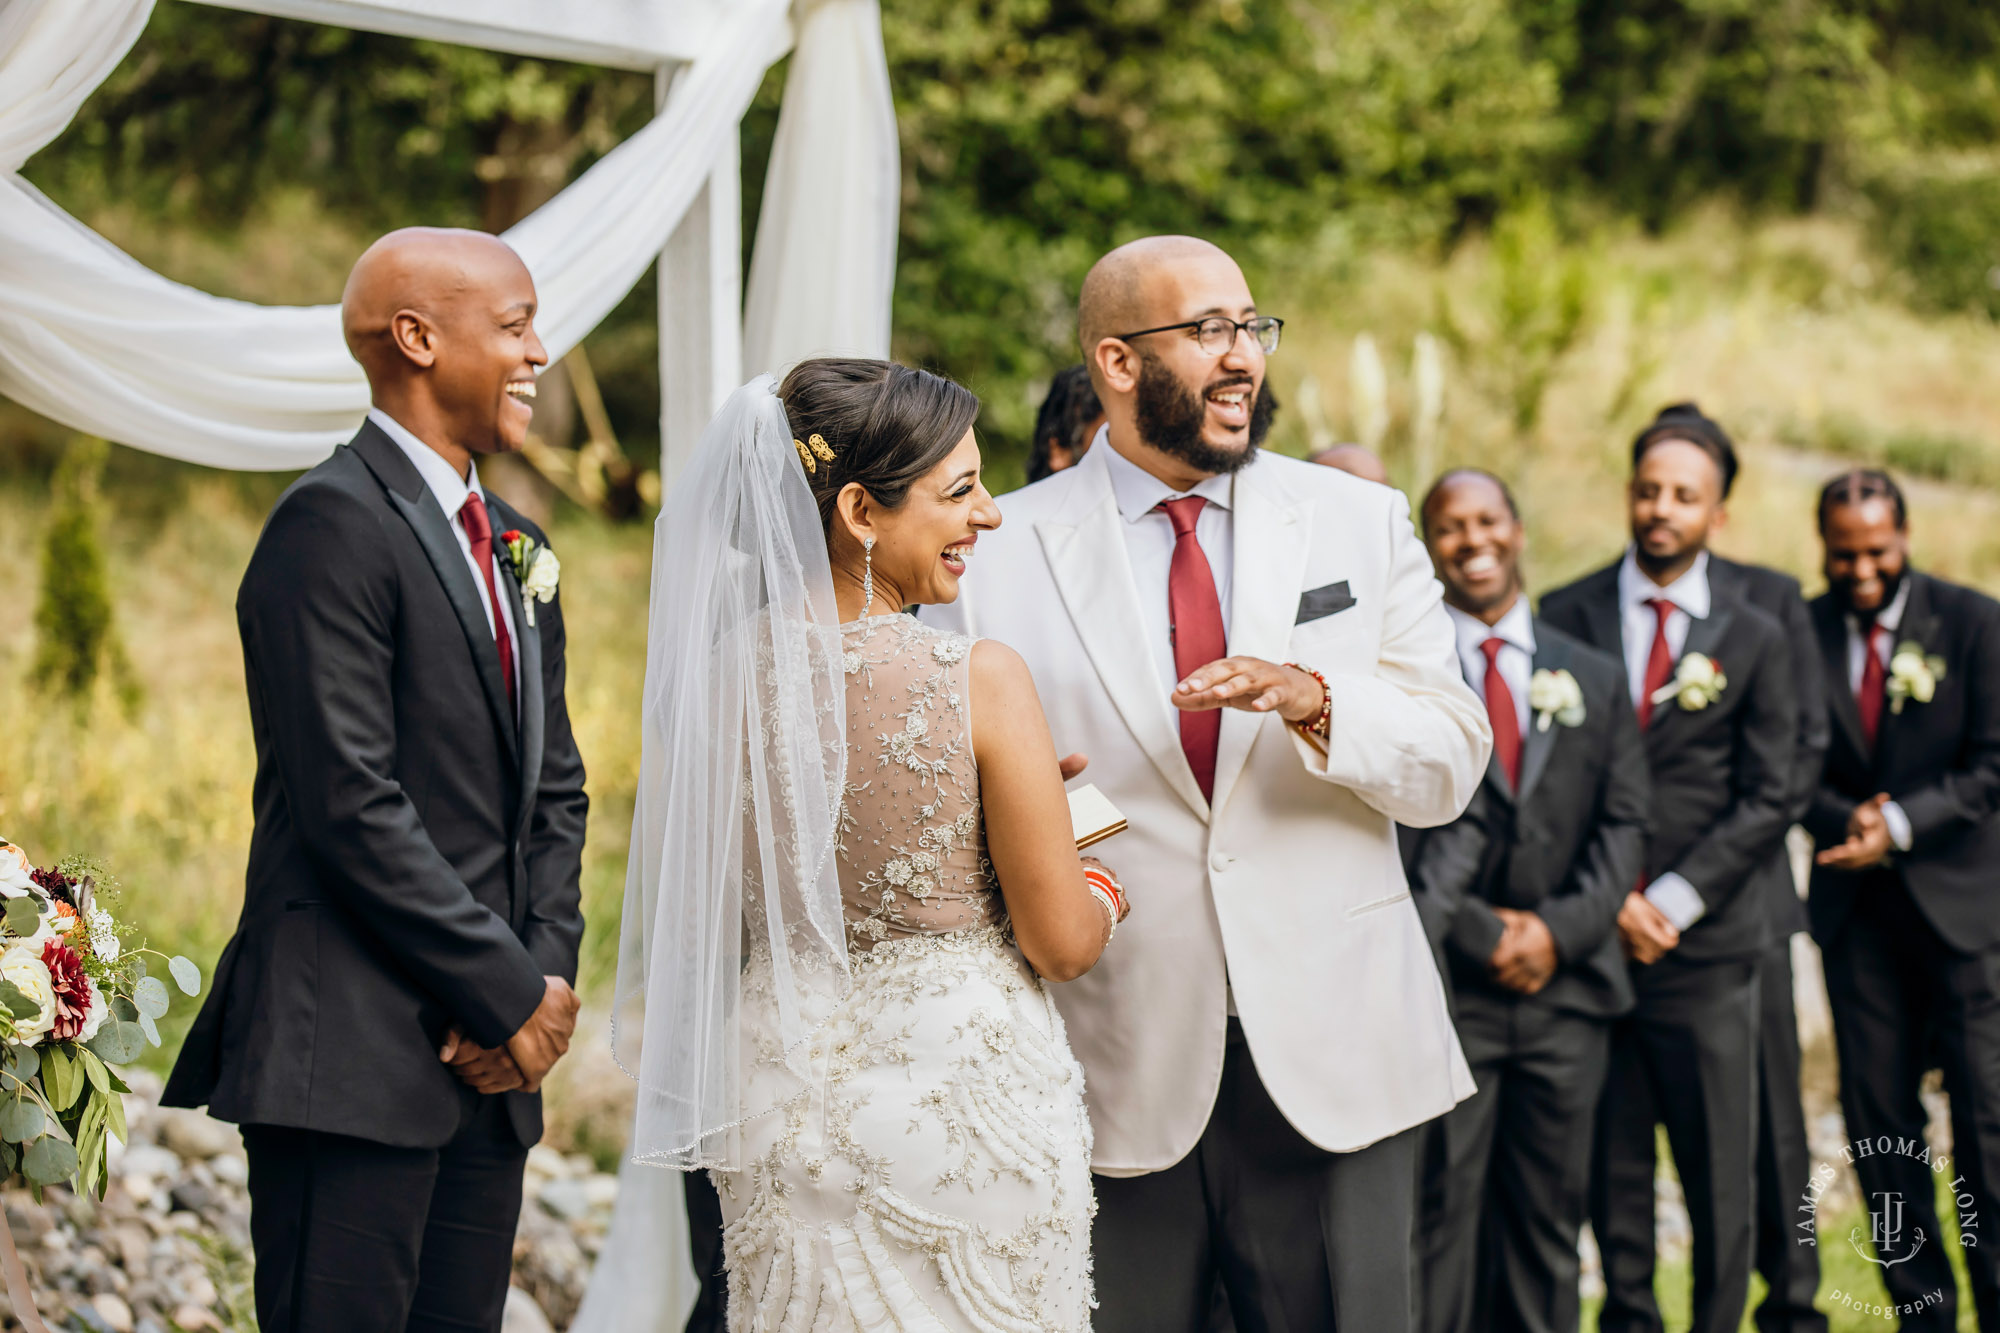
1130, 287
442, 322
1358, 459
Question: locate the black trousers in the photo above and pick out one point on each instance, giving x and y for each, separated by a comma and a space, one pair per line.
359, 1237
1787, 1256
1686, 1058
704, 1210
1904, 1001
1508, 1173
1302, 1240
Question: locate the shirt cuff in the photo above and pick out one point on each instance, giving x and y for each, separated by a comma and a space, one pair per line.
1676, 899
1899, 825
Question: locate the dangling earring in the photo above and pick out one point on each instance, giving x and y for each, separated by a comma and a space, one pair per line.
867, 575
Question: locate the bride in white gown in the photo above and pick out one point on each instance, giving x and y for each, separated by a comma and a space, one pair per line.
851, 869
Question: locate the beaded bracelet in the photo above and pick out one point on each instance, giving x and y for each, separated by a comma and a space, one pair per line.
1105, 883
1321, 726
1110, 912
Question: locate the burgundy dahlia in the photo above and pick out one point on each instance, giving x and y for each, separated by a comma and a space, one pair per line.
71, 987
59, 887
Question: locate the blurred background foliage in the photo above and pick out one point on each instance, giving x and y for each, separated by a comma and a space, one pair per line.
1305, 135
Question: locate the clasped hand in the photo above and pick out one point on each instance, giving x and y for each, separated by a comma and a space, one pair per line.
1526, 957
529, 1054
1644, 930
1252, 684
1868, 841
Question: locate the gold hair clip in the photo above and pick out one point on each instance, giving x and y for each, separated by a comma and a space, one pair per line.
813, 444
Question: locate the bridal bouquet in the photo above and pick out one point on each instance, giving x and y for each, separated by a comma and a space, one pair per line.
76, 1001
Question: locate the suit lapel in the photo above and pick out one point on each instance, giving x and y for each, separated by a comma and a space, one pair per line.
420, 509
1550, 655
1830, 629
528, 638
1918, 626
1093, 572
1705, 636
1272, 538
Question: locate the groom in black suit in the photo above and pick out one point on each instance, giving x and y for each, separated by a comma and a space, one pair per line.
1907, 819
1521, 894
400, 980
1710, 679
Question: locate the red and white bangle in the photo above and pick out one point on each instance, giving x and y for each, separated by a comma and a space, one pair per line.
1321, 726
1105, 889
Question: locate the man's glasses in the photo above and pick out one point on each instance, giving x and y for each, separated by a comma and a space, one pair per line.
1217, 334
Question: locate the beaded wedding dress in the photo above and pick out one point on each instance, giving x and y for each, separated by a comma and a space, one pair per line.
934, 1173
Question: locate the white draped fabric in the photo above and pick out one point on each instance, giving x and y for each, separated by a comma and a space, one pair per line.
92, 338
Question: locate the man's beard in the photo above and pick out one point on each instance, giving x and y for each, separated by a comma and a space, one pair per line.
1843, 594
1169, 416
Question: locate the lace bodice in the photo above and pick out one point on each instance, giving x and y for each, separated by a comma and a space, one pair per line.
912, 840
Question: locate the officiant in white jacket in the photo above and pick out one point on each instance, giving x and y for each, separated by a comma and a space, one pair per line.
1253, 654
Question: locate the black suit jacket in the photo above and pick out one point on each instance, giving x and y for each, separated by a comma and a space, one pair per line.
414, 861
1940, 761
1722, 774
1566, 846
1778, 596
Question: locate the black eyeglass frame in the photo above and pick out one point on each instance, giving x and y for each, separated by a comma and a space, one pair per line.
1272, 322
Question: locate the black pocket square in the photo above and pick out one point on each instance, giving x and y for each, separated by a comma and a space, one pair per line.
1315, 603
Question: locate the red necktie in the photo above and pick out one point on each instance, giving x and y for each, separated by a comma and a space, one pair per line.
479, 528
1659, 662
1195, 626
1869, 697
1500, 709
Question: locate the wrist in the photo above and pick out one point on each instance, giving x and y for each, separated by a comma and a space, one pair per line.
1312, 713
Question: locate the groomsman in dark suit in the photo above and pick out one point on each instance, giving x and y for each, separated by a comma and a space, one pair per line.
1907, 818
1709, 677
1784, 1162
1521, 894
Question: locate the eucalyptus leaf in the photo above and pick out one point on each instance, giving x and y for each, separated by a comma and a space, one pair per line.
124, 1010
186, 975
151, 997
17, 1002
21, 1120
23, 1061
147, 1026
48, 1161
119, 1042
24, 917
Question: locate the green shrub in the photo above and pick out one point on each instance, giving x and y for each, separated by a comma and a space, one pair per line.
76, 639
1943, 230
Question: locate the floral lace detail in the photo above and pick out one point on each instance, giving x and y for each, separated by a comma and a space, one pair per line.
933, 1170
912, 845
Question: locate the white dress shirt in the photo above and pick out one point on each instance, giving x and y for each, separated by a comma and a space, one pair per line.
1516, 630
450, 489
1149, 542
1890, 620
1672, 894
1690, 595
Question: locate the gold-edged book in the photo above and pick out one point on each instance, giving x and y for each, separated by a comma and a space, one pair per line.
1092, 817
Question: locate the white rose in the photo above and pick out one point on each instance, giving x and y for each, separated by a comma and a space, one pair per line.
23, 966
14, 868
543, 574
1922, 688
1697, 669
99, 1009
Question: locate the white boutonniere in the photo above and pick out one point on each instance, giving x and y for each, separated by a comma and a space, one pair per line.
536, 569
1913, 674
1555, 696
1698, 682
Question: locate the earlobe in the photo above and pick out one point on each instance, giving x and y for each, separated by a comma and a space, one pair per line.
412, 337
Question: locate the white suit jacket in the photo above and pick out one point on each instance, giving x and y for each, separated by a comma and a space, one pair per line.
1291, 887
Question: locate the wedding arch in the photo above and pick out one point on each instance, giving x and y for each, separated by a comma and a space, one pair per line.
94, 339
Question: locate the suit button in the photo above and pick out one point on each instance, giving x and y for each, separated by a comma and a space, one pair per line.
1220, 862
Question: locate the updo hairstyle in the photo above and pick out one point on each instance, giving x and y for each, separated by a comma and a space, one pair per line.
887, 425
